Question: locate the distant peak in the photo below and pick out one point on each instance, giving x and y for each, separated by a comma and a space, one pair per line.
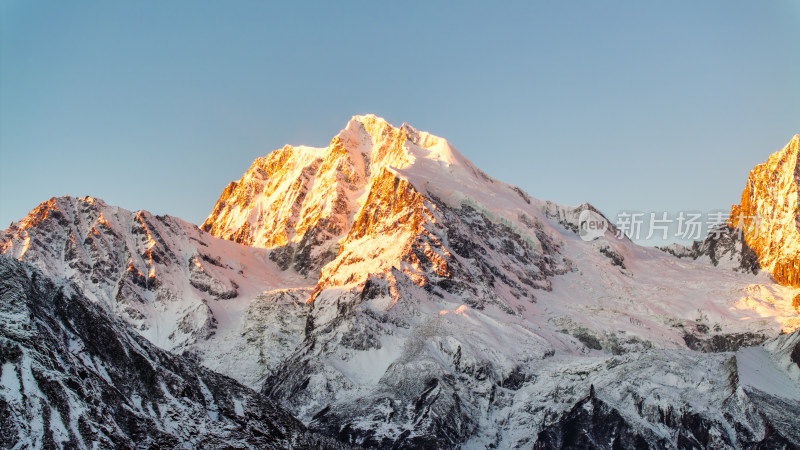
406, 126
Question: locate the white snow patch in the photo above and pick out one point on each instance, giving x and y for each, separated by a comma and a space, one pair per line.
758, 370
9, 383
237, 407
367, 367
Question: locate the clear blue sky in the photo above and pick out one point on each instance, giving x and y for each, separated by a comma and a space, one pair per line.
628, 105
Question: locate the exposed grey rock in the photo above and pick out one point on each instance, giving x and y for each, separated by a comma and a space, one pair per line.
723, 246
73, 376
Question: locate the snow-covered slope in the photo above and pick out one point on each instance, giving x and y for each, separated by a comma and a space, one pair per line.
72, 376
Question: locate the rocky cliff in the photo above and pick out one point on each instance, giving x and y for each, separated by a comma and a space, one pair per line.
769, 217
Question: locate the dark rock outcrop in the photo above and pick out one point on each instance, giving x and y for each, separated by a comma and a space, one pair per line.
73, 377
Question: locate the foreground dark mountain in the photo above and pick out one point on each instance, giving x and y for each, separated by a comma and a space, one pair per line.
74, 377
387, 292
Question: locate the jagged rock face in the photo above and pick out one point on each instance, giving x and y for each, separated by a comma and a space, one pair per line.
769, 215
142, 267
274, 325
724, 247
72, 376
593, 423
442, 248
393, 215
301, 200
292, 195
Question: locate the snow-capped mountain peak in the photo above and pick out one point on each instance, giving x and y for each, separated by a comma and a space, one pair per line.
386, 291
298, 198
